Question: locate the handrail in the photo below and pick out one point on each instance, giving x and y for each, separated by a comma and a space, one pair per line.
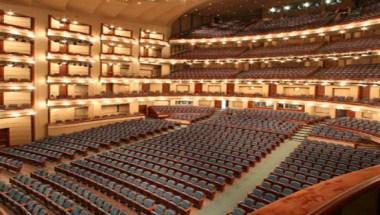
345, 197
327, 196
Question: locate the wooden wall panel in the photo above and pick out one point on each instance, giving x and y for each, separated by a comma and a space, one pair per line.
230, 89
165, 88
319, 91
20, 129
198, 88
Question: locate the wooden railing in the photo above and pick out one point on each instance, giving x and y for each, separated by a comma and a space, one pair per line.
326, 197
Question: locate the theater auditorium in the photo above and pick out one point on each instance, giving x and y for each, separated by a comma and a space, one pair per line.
189, 107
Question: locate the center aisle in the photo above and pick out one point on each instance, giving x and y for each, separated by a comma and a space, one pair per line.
226, 201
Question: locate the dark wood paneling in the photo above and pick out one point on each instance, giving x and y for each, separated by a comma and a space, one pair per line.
344, 113
230, 89
145, 88
1, 73
218, 104
63, 90
1, 98
4, 137
63, 48
272, 89
319, 91
63, 69
143, 109
364, 93
109, 70
250, 104
165, 88
351, 114
198, 88
109, 88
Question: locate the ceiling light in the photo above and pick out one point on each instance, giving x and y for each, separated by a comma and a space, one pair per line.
10, 13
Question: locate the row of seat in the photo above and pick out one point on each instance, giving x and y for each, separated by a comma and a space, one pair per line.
303, 168
181, 112
370, 127
115, 189
20, 202
356, 44
67, 145
171, 173
203, 73
277, 115
249, 122
15, 106
10, 163
52, 199
77, 193
332, 133
285, 23
358, 71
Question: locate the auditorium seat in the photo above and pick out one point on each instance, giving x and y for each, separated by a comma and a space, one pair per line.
310, 163
203, 73
209, 53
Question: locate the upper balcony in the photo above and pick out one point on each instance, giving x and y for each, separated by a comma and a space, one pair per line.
148, 37
16, 25
117, 35
299, 26
69, 31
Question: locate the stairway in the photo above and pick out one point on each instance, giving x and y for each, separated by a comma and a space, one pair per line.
302, 134
215, 115
224, 202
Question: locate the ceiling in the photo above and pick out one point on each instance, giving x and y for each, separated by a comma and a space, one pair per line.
159, 12
236, 7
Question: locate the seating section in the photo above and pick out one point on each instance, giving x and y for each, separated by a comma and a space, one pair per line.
358, 125
52, 198
210, 53
55, 148
285, 23
29, 157
251, 123
15, 107
187, 113
76, 192
362, 71
20, 202
276, 115
351, 45
222, 29
348, 45
10, 163
332, 133
358, 71
289, 23
282, 50
285, 72
171, 173
204, 73
311, 163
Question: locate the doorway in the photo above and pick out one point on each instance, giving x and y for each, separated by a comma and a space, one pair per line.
225, 104
4, 137
344, 113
